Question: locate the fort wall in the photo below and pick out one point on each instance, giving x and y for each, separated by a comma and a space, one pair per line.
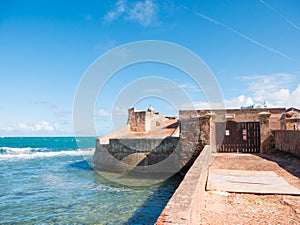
150, 137
287, 141
185, 205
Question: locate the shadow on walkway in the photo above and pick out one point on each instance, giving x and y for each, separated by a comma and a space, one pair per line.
286, 161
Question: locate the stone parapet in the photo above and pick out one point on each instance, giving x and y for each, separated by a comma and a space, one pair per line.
185, 205
288, 141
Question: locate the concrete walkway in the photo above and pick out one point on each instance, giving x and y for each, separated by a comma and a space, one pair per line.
247, 181
252, 208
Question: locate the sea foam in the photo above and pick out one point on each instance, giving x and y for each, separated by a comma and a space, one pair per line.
16, 150
24, 153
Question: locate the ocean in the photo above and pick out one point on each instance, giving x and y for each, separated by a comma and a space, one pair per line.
48, 180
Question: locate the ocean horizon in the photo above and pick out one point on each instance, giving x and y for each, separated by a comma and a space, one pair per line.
49, 180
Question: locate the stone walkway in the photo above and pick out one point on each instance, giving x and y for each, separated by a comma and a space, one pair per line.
247, 181
238, 208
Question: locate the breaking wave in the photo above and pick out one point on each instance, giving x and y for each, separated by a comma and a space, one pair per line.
16, 150
29, 153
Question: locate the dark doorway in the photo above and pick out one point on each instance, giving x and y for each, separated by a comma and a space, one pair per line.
238, 137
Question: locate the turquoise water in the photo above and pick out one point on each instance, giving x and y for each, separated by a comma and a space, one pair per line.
49, 181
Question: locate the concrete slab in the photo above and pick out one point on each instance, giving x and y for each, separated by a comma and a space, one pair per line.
247, 181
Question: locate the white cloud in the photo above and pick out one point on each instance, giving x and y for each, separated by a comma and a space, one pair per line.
117, 12
144, 12
276, 89
122, 52
7, 129
200, 105
103, 112
116, 111
288, 98
237, 102
41, 126
264, 86
120, 111
190, 87
32, 129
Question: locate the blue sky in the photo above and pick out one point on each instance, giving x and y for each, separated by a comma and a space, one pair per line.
251, 46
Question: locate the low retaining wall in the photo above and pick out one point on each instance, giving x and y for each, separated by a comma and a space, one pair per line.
135, 151
153, 145
288, 141
185, 205
138, 155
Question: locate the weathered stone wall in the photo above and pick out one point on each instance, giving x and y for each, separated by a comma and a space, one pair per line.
194, 135
240, 115
155, 150
288, 141
185, 205
292, 124
143, 121
137, 120
102, 160
135, 152
251, 115
188, 114
197, 129
195, 125
154, 120
237, 115
116, 134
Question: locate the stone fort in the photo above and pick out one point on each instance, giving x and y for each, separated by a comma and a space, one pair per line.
150, 137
